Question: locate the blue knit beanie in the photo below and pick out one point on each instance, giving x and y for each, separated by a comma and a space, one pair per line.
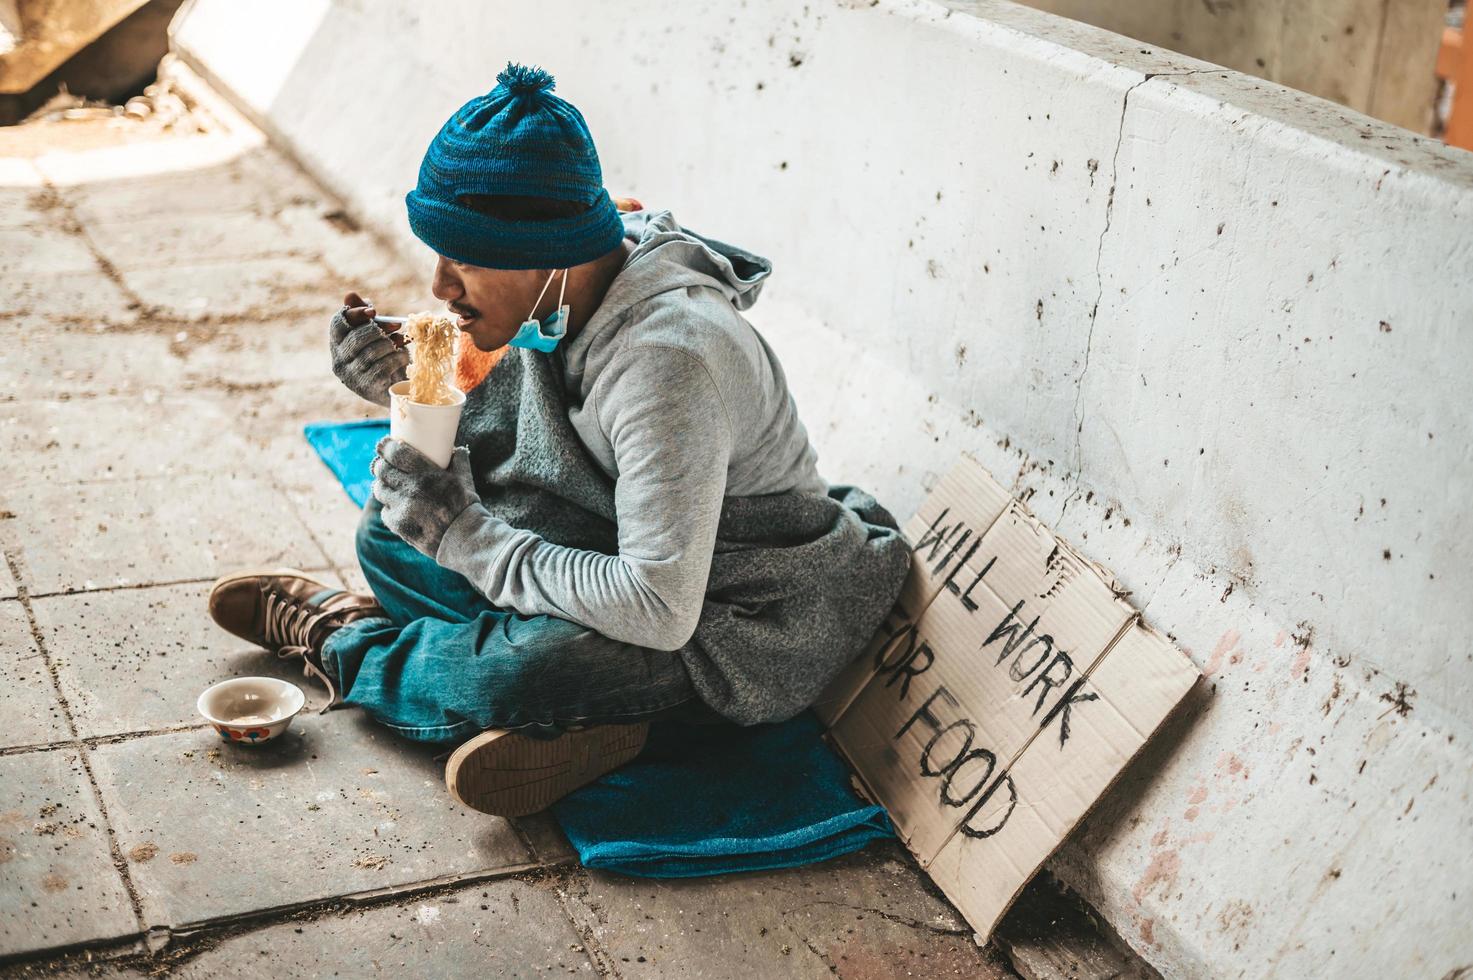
517, 139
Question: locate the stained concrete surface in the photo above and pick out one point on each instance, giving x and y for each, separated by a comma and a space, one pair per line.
163, 316
130, 660
56, 873
858, 916
165, 529
33, 714
336, 806
7, 581
506, 928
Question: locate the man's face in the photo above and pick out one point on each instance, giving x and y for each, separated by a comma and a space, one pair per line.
492, 303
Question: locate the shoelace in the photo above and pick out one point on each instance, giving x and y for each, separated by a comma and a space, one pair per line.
288, 628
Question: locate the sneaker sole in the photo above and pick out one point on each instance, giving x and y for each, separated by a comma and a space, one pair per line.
507, 774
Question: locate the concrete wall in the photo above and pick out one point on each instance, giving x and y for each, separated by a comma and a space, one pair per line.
1376, 56
1216, 331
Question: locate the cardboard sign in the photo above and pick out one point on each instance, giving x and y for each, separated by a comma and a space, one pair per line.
1007, 689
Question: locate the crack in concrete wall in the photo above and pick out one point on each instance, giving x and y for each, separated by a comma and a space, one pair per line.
1094, 310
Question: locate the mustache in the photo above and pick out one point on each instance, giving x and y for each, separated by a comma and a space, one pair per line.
463, 309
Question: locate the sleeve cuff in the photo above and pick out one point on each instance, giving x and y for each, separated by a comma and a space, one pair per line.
472, 541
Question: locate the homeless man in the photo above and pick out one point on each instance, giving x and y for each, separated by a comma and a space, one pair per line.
633, 525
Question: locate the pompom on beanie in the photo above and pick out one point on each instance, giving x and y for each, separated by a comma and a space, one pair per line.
517, 139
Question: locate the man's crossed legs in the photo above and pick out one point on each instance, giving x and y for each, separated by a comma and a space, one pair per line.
541, 705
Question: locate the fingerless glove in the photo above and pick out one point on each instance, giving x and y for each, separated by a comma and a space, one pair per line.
365, 360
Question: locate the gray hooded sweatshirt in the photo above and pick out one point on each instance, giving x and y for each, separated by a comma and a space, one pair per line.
681, 402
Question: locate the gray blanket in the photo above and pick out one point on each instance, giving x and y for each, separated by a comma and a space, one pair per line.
799, 581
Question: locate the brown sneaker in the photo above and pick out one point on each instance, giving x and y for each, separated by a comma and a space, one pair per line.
508, 774
288, 613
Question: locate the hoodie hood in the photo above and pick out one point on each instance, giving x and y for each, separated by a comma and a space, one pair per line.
667, 258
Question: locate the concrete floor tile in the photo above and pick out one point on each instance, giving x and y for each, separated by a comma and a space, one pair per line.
288, 185
266, 287
876, 917
42, 249
84, 356
38, 361
547, 838
57, 881
33, 714
702, 929
225, 189
257, 181
50, 274
9, 545
338, 806
22, 196
321, 504
42, 299
142, 242
155, 356
112, 166
353, 579
242, 358
140, 532
114, 438
359, 260
868, 914
23, 206
220, 189
272, 421
133, 660
502, 929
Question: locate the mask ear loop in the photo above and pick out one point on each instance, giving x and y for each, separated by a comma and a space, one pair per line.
561, 289
538, 301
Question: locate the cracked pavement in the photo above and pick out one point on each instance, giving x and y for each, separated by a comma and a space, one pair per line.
164, 310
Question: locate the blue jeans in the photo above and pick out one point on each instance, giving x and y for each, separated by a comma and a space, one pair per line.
445, 664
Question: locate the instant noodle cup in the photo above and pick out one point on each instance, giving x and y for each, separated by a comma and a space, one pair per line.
424, 409
429, 428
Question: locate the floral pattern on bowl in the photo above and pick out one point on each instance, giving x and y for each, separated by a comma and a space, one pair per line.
243, 734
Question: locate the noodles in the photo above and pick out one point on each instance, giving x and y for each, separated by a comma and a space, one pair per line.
432, 350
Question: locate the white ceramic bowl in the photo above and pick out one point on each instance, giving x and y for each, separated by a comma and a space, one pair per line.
251, 710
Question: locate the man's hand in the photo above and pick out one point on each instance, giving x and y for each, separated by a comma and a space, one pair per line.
421, 500
364, 358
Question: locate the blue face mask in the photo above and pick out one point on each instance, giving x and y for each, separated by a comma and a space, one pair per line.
544, 335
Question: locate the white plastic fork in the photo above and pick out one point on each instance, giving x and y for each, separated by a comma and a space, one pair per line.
394, 326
